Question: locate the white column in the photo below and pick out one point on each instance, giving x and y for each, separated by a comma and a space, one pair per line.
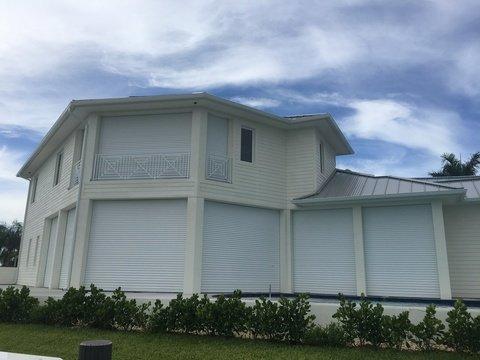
359, 251
286, 283
198, 145
195, 205
193, 246
84, 205
441, 250
58, 251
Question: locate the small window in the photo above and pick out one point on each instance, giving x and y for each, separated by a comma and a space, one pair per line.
58, 169
321, 157
35, 253
29, 249
246, 145
34, 188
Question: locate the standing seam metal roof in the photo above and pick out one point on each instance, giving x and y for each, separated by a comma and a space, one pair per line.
470, 183
348, 184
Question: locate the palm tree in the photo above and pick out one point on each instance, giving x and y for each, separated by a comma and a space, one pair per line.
451, 166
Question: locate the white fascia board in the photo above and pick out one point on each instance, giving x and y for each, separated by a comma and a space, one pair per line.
454, 194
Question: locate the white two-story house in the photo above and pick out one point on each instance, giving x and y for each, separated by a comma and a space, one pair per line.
194, 193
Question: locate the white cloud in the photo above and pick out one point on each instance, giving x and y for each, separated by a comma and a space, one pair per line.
10, 162
257, 102
465, 75
12, 189
434, 130
12, 204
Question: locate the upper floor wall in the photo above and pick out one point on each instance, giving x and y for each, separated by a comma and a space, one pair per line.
242, 160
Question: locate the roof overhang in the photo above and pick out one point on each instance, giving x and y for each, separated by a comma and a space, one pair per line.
453, 195
78, 110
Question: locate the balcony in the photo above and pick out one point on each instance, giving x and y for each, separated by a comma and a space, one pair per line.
149, 166
219, 168
75, 178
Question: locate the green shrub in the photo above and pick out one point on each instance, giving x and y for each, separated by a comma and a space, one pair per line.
429, 332
183, 314
264, 321
49, 313
396, 330
475, 335
331, 335
79, 308
346, 315
99, 310
463, 332
157, 321
369, 323
227, 316
295, 318
17, 306
129, 315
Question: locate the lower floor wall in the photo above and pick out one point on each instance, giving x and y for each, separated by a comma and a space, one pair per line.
384, 251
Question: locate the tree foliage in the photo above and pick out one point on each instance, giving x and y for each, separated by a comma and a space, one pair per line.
452, 166
10, 236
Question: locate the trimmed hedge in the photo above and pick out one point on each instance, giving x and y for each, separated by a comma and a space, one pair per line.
286, 320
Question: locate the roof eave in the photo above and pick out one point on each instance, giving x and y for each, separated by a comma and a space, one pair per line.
458, 194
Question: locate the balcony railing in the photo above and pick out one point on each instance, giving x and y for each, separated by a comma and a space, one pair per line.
219, 168
149, 166
75, 179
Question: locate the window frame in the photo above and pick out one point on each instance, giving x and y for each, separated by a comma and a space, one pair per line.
57, 175
321, 155
252, 130
33, 195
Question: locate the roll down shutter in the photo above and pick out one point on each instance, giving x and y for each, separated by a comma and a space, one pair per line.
138, 245
52, 239
400, 256
240, 249
462, 230
67, 255
323, 252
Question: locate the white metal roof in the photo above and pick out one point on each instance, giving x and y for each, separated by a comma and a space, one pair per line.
346, 185
470, 183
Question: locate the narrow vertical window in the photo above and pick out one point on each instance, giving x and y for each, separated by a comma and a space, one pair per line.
246, 145
321, 157
29, 249
58, 168
35, 253
34, 188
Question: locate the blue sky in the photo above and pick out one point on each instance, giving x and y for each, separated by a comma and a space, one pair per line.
402, 78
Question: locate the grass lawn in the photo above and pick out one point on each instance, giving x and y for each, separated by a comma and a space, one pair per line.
61, 342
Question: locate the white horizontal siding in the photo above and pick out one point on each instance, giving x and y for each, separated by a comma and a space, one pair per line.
49, 200
301, 162
462, 230
329, 161
138, 245
264, 180
400, 257
240, 249
323, 252
145, 134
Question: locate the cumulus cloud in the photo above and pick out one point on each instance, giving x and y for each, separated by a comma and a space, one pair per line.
404, 124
